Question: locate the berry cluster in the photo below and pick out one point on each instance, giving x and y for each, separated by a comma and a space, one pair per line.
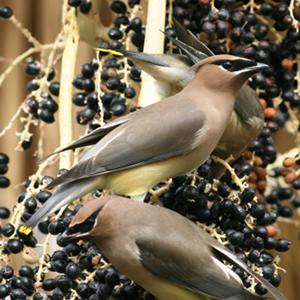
4, 160
83, 5
117, 76
240, 209
41, 106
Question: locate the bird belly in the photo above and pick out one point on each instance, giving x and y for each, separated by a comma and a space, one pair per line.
138, 180
166, 290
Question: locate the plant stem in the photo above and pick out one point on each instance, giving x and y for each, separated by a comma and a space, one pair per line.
154, 44
66, 87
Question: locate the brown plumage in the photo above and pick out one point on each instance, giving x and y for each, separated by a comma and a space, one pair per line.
162, 251
173, 73
163, 140
247, 119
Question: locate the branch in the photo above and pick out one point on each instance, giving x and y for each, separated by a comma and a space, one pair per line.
154, 43
66, 87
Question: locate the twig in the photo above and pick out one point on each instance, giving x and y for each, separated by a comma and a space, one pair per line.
98, 90
40, 151
25, 135
221, 238
155, 194
242, 185
22, 56
25, 31
291, 8
252, 6
12, 120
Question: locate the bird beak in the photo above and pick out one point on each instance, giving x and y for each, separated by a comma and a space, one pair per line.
67, 237
253, 69
140, 56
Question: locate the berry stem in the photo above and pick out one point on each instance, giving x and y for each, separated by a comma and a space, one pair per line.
22, 56
291, 8
235, 178
31, 39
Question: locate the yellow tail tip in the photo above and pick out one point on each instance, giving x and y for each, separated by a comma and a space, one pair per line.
110, 51
25, 229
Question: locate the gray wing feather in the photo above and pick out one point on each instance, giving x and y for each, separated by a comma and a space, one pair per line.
64, 195
147, 137
212, 281
247, 105
142, 56
94, 136
232, 258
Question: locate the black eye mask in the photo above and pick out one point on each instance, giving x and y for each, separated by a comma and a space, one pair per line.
235, 65
85, 226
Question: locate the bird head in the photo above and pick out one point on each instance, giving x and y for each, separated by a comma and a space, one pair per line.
85, 221
225, 72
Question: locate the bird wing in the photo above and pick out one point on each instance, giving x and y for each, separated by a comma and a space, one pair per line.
232, 258
193, 262
248, 106
157, 132
185, 267
94, 136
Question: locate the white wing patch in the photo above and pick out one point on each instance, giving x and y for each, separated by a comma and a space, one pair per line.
227, 271
94, 150
199, 134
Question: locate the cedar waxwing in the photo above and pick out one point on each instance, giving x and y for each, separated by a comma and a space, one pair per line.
162, 251
163, 140
247, 120
173, 72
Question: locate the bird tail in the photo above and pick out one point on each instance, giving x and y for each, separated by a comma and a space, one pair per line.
246, 296
139, 56
64, 195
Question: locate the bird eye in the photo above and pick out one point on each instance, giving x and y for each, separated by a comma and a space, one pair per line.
227, 65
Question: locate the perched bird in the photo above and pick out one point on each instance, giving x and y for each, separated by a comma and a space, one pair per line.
162, 251
247, 119
163, 140
174, 72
